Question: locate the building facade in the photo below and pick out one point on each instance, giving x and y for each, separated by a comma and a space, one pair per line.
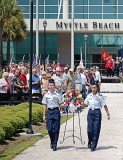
100, 21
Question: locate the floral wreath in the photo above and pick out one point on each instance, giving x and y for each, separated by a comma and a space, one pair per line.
72, 99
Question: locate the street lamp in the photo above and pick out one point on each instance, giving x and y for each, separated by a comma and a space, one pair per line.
85, 39
30, 130
44, 25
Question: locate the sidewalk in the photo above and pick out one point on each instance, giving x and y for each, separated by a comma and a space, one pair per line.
112, 87
110, 146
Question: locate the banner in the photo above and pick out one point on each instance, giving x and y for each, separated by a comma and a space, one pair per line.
104, 54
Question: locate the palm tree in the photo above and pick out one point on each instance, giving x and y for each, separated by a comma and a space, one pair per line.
12, 24
14, 29
6, 9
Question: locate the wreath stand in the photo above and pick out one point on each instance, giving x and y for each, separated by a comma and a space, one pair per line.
73, 130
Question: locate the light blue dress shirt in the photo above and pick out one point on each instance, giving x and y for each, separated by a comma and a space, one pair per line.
52, 100
95, 101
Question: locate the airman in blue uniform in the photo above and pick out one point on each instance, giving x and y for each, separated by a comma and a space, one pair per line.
94, 101
52, 101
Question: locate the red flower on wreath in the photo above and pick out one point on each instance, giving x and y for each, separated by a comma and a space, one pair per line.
77, 94
67, 102
75, 104
79, 101
67, 95
73, 91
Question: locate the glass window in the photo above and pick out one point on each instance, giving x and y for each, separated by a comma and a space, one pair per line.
95, 9
120, 39
120, 16
41, 9
95, 16
110, 2
25, 9
26, 16
79, 39
80, 16
81, 9
109, 39
109, 9
120, 9
120, 2
51, 2
51, 48
41, 16
51, 16
23, 2
78, 2
51, 9
109, 16
94, 2
41, 2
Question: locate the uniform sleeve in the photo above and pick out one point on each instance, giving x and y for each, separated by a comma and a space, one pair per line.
103, 103
44, 100
86, 101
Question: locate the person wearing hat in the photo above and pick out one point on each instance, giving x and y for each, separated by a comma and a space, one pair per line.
94, 101
71, 79
78, 79
4, 84
59, 83
65, 78
51, 113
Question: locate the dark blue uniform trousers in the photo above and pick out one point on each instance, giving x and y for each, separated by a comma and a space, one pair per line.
94, 126
53, 125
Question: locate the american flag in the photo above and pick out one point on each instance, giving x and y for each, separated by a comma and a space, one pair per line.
34, 60
47, 60
81, 60
58, 62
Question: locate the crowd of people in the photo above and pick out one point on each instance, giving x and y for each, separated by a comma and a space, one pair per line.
114, 66
15, 78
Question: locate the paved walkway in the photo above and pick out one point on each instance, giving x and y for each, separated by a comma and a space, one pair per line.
112, 87
110, 146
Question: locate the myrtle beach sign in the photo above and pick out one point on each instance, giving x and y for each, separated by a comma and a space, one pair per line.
88, 26
80, 25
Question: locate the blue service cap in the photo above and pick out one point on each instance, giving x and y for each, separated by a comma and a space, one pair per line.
94, 82
51, 80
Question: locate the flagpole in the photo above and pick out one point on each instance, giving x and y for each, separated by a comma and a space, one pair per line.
101, 58
72, 36
37, 32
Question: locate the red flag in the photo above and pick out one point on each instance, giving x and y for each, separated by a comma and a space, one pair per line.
104, 54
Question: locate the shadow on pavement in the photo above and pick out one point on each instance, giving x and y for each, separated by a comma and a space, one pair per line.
105, 147
70, 147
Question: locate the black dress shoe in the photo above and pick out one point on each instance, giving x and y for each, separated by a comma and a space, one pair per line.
93, 149
89, 144
51, 146
54, 149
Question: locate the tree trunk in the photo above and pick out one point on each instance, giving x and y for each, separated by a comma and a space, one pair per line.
8, 51
1, 29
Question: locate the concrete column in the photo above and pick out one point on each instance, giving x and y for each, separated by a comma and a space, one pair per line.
65, 9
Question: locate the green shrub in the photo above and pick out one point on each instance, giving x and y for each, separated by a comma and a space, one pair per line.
17, 122
17, 117
37, 115
2, 135
8, 128
23, 115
